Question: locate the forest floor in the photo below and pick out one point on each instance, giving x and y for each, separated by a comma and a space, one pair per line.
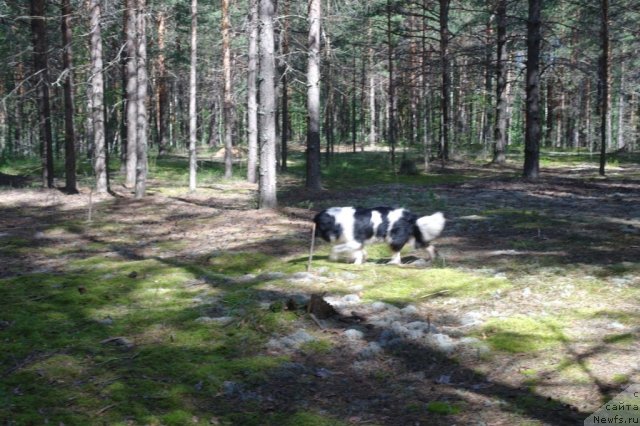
191, 308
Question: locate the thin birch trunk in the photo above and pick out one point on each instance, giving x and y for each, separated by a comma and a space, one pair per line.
97, 101
252, 94
192, 96
267, 107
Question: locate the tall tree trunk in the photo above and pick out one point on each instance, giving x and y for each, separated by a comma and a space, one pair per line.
228, 100
621, 101
69, 129
132, 91
500, 130
391, 102
286, 121
267, 107
142, 118
162, 90
313, 97
446, 80
604, 84
532, 127
252, 94
97, 100
426, 141
354, 120
192, 96
39, 34
372, 88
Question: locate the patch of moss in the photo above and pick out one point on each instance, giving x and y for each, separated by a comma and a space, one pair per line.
622, 339
318, 346
524, 334
443, 408
238, 263
399, 285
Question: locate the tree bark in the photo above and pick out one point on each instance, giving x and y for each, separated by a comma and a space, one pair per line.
192, 96
162, 90
532, 126
131, 50
142, 118
252, 94
286, 121
500, 130
267, 107
605, 120
69, 129
391, 102
228, 100
446, 80
97, 100
39, 36
313, 97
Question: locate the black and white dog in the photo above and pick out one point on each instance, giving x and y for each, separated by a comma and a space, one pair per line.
351, 228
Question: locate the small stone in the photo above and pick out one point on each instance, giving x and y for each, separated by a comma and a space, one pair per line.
370, 351
230, 388
348, 276
353, 334
443, 342
105, 321
382, 306
409, 310
351, 299
216, 320
246, 278
615, 326
323, 373
268, 276
471, 318
122, 342
444, 379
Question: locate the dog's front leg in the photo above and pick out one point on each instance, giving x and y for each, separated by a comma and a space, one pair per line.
396, 259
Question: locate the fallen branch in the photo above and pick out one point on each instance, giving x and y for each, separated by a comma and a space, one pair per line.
316, 320
433, 294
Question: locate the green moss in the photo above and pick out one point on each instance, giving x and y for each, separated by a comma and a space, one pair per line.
622, 339
318, 346
443, 408
399, 285
524, 334
238, 263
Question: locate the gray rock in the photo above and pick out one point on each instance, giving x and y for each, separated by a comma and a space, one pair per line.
471, 318
382, 306
616, 326
409, 310
353, 334
348, 276
442, 342
246, 278
419, 325
103, 321
119, 341
351, 299
370, 351
267, 276
292, 341
216, 320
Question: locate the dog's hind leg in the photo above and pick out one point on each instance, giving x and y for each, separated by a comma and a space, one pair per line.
431, 250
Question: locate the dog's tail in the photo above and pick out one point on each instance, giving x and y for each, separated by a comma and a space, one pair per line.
431, 226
